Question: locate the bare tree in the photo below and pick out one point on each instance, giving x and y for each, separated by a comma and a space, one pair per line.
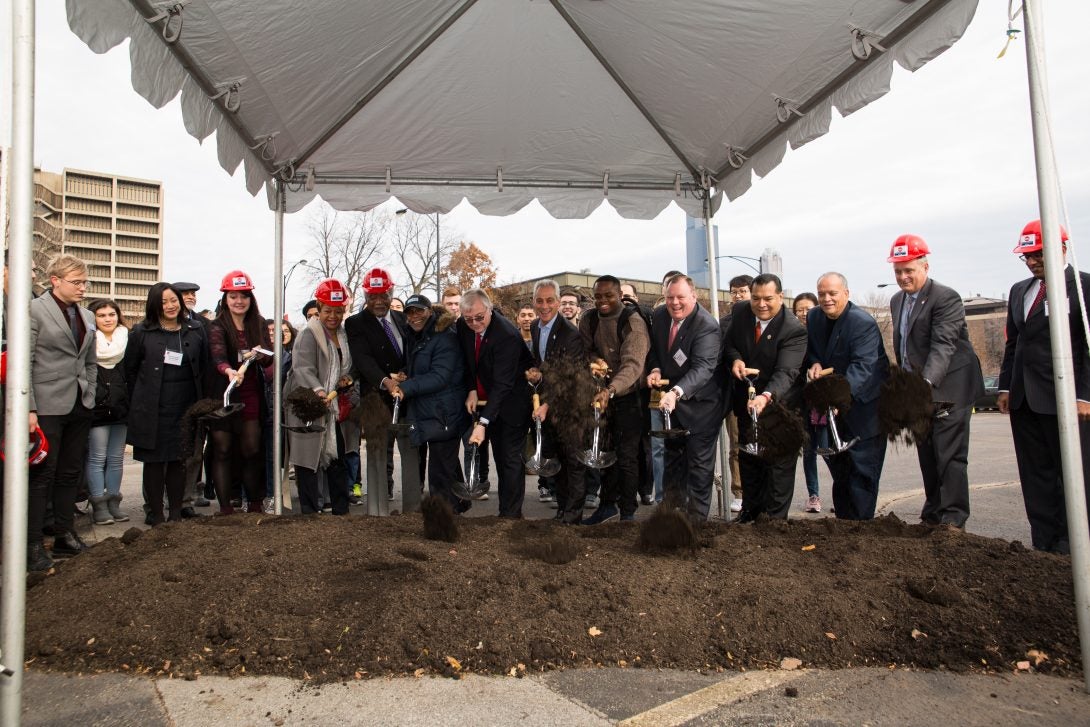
344, 245
412, 249
877, 304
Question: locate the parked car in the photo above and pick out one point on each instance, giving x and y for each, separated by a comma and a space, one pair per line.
991, 393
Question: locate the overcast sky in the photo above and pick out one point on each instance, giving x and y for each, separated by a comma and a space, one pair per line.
947, 154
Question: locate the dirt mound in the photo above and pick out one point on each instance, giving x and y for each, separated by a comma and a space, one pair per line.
330, 598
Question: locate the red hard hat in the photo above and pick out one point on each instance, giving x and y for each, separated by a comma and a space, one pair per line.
236, 280
37, 448
907, 247
331, 292
1031, 241
377, 281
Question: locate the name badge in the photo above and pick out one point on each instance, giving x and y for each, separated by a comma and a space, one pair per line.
680, 358
172, 358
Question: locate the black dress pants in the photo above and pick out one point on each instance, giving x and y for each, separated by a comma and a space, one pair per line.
57, 478
1037, 448
620, 482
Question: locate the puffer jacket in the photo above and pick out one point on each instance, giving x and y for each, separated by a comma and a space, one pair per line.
433, 392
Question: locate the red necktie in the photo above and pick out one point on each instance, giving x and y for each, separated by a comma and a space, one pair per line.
757, 332
673, 334
1037, 300
481, 394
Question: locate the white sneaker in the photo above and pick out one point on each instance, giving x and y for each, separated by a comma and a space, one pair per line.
735, 505
267, 506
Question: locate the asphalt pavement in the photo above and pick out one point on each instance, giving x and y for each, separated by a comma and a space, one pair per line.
611, 696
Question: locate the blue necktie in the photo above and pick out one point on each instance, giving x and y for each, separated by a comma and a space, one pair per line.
390, 335
73, 323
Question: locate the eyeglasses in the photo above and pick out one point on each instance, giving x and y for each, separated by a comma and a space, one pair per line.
476, 319
76, 283
414, 312
1032, 255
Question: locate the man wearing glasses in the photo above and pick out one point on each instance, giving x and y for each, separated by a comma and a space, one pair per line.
930, 337
62, 394
497, 393
1028, 394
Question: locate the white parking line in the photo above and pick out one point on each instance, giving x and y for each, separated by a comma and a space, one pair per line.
691, 706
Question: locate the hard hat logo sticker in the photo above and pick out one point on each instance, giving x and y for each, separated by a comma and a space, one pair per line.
1028, 241
900, 251
336, 295
238, 280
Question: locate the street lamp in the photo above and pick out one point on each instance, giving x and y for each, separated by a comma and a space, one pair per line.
287, 277
742, 259
438, 255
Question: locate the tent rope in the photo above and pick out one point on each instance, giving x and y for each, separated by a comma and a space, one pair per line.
864, 42
735, 157
231, 93
785, 107
167, 13
266, 145
1012, 32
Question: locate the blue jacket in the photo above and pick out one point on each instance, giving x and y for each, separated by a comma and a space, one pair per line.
433, 392
854, 348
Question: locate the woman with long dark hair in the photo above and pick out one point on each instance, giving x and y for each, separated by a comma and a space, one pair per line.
238, 329
165, 363
106, 447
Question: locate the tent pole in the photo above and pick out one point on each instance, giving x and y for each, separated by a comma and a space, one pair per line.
278, 351
17, 395
1058, 328
713, 302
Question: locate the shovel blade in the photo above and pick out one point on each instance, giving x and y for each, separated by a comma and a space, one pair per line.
542, 468
305, 428
669, 433
223, 412
466, 491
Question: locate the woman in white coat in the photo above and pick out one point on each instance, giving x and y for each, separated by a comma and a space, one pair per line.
321, 362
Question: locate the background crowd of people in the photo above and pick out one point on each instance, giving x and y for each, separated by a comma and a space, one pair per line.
468, 382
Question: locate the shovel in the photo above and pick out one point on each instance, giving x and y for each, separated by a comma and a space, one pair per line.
753, 447
838, 444
396, 426
310, 427
471, 489
592, 457
228, 408
537, 465
667, 431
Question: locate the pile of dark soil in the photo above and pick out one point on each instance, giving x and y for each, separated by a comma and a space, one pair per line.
349, 597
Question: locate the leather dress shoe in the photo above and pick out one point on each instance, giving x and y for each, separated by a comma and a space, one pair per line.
188, 512
746, 516
68, 545
37, 559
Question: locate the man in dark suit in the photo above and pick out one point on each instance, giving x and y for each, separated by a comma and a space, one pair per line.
553, 337
846, 339
685, 350
496, 364
1027, 392
930, 336
378, 338
63, 377
762, 336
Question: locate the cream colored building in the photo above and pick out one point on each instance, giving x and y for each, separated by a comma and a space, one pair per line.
114, 223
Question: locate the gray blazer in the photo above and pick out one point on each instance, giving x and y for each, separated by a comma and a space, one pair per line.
59, 371
938, 343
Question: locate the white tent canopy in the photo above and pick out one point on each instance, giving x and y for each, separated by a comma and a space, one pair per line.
571, 102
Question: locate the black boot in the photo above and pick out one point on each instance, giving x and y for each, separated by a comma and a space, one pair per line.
67, 545
37, 560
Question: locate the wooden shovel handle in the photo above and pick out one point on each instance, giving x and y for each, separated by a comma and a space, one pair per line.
537, 401
826, 372
331, 396
663, 383
751, 372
